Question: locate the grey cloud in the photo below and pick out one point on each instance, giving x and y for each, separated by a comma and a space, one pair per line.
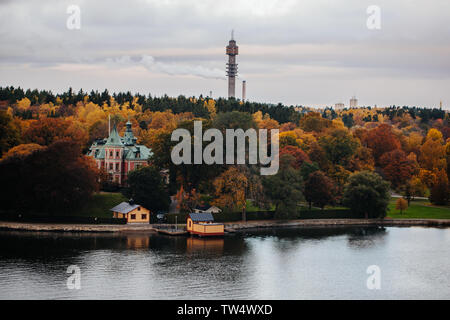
153, 65
288, 39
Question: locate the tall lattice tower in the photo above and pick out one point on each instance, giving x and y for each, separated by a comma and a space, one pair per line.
232, 52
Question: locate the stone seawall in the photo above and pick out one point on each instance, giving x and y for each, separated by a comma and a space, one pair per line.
57, 227
229, 226
336, 222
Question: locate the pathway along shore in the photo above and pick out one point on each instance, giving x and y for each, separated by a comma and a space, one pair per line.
229, 226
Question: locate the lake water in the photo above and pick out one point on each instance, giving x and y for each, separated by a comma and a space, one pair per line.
300, 263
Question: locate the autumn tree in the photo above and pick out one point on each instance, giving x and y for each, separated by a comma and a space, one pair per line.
187, 201
381, 140
318, 155
362, 160
288, 139
98, 130
230, 190
313, 121
414, 142
9, 133
234, 120
367, 195
307, 168
46, 131
22, 150
146, 186
397, 168
432, 152
299, 155
57, 178
413, 188
339, 145
447, 157
285, 188
401, 204
23, 104
440, 190
319, 190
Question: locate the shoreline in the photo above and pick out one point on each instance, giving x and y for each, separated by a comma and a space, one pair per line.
229, 226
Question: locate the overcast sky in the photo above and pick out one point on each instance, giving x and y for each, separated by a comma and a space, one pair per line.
310, 52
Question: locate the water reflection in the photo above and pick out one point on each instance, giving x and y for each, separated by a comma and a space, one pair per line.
367, 237
214, 245
294, 263
138, 241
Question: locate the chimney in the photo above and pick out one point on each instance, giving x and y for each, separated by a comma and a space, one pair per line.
244, 89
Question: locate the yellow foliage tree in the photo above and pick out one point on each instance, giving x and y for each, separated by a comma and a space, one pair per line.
210, 104
22, 150
401, 204
230, 189
432, 152
24, 104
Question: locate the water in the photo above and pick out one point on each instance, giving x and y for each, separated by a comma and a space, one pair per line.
325, 263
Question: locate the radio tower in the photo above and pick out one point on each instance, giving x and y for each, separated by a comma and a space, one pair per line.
232, 52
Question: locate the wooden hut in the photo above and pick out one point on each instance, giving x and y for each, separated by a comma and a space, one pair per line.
134, 213
202, 224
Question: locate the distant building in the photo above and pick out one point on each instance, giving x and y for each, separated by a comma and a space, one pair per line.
353, 102
134, 213
207, 208
339, 106
119, 155
232, 50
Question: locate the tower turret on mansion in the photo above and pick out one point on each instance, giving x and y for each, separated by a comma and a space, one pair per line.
119, 155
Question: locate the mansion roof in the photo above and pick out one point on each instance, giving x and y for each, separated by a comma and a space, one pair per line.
131, 150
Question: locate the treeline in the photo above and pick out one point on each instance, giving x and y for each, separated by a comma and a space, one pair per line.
392, 112
281, 113
180, 104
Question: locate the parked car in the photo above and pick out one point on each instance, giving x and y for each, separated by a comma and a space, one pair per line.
161, 217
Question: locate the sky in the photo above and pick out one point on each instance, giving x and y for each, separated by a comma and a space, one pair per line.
299, 52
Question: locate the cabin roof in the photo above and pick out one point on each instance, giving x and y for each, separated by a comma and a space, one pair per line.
124, 207
201, 217
203, 207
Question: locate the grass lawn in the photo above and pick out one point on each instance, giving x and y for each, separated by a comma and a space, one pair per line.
251, 208
99, 205
419, 209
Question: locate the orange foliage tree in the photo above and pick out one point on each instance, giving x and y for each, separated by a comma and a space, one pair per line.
397, 168
230, 189
381, 140
299, 155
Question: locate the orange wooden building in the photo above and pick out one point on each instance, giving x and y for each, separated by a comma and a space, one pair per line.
202, 224
134, 213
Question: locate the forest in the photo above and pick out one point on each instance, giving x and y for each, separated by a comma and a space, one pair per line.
351, 157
